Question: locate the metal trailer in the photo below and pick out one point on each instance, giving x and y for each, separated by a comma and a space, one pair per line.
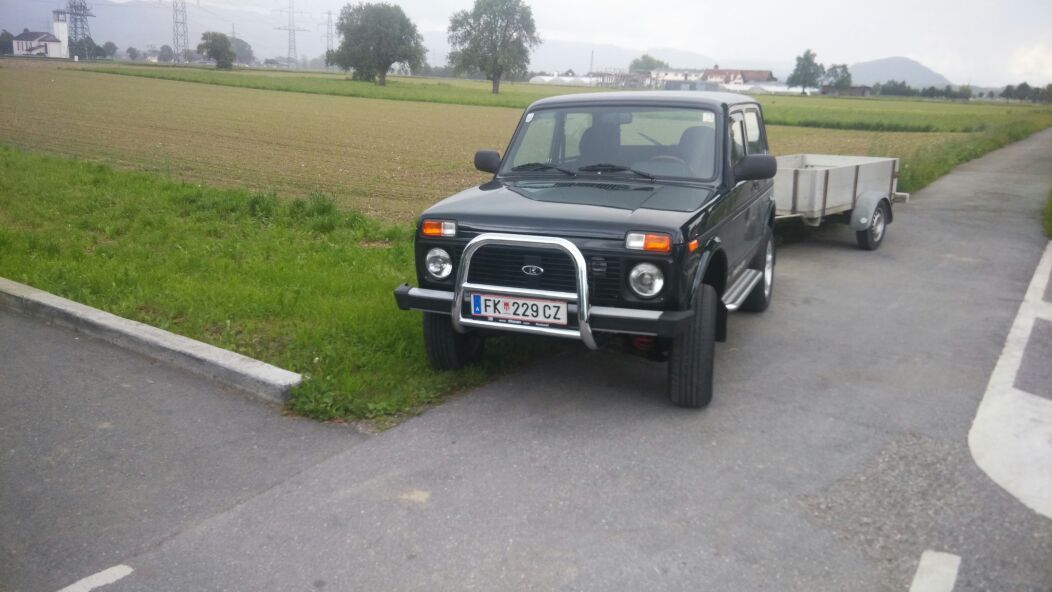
853, 190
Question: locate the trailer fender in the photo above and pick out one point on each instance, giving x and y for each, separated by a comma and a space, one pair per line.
865, 206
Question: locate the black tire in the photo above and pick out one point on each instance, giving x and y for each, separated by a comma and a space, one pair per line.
870, 238
760, 297
447, 349
690, 360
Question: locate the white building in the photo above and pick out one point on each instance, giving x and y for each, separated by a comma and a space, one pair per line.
60, 29
35, 43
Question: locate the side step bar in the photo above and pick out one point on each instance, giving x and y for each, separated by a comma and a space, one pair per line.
740, 290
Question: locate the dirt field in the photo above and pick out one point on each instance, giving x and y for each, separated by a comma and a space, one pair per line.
386, 158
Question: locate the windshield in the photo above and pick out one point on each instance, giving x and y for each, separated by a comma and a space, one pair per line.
644, 141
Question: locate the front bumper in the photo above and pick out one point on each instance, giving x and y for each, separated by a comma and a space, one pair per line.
585, 318
605, 319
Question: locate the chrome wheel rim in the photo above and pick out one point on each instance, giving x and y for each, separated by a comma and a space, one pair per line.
768, 268
876, 230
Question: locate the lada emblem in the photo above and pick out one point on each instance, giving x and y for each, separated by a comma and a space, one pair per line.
532, 270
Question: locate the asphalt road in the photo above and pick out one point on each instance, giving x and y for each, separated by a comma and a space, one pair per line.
833, 456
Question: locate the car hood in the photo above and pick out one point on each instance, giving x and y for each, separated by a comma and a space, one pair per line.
594, 209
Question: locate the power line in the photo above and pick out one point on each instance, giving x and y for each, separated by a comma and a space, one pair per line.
329, 33
291, 28
180, 37
79, 32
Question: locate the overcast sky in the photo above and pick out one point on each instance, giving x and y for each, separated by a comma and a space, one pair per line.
982, 41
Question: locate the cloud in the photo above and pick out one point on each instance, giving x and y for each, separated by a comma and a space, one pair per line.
1032, 64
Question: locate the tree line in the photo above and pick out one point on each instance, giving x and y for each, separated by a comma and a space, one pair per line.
493, 39
1020, 92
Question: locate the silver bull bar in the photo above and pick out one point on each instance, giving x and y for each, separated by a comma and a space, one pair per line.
462, 286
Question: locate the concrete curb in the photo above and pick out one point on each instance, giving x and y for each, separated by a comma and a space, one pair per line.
257, 378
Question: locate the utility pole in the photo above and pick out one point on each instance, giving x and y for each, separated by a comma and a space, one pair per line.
233, 31
291, 28
79, 11
329, 37
180, 38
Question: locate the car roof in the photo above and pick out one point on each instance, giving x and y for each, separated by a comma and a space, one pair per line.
712, 100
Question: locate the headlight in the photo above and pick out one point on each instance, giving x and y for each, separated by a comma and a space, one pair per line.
439, 265
646, 280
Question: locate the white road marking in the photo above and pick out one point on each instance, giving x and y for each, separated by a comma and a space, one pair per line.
936, 572
1011, 436
103, 578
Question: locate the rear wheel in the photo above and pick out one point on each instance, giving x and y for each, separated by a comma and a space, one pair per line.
447, 349
760, 297
690, 360
870, 238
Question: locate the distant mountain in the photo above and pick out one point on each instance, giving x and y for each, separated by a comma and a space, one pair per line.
912, 72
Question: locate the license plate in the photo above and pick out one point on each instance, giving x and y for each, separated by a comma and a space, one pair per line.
518, 310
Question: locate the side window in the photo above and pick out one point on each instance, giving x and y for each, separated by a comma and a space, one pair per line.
753, 136
737, 138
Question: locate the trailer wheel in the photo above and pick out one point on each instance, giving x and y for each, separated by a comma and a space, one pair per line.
870, 238
690, 360
760, 297
447, 349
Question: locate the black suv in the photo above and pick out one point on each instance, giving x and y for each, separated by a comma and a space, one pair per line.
632, 218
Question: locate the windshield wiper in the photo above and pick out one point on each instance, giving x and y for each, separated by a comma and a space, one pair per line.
605, 167
542, 166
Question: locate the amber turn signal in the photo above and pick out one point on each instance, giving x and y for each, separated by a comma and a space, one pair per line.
438, 228
648, 241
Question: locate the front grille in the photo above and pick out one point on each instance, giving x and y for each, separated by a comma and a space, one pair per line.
502, 266
604, 287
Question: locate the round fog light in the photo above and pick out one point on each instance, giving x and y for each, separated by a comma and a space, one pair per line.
439, 265
646, 280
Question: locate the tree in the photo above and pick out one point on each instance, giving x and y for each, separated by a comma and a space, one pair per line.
242, 51
646, 63
808, 72
838, 76
495, 37
1008, 92
110, 49
7, 42
1024, 92
373, 37
216, 47
133, 54
167, 54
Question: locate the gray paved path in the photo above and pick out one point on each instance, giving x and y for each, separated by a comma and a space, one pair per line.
834, 455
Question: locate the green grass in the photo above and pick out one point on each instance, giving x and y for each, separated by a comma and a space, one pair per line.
1048, 216
428, 90
870, 114
296, 283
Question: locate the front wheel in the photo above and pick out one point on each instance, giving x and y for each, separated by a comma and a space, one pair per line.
760, 297
870, 238
691, 358
447, 349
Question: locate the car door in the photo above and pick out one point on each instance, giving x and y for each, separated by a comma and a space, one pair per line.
761, 190
741, 196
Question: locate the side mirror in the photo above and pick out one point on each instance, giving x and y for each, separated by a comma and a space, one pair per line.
487, 161
754, 167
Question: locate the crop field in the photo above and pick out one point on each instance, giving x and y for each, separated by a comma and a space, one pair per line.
388, 159
276, 224
871, 114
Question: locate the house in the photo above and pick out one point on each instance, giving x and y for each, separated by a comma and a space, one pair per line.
849, 91
35, 43
724, 76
